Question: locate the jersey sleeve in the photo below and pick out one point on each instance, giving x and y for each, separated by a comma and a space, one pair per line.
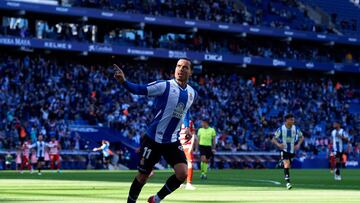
333, 134
277, 133
152, 89
103, 146
198, 132
214, 133
156, 88
299, 133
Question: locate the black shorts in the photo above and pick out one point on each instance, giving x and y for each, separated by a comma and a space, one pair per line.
40, 159
287, 155
106, 159
151, 152
339, 155
206, 151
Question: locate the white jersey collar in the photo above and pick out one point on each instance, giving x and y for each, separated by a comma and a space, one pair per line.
174, 80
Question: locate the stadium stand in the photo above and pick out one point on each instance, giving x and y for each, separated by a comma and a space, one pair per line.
42, 95
344, 14
200, 41
50, 92
273, 13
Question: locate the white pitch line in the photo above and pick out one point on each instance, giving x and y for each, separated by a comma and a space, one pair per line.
265, 181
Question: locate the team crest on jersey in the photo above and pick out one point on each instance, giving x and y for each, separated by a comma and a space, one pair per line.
179, 110
181, 148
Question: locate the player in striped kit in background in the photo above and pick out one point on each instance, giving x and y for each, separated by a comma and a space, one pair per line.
55, 154
173, 99
40, 152
106, 153
188, 146
288, 138
338, 136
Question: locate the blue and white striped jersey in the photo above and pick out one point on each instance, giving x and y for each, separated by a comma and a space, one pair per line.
171, 108
40, 148
105, 149
337, 141
288, 137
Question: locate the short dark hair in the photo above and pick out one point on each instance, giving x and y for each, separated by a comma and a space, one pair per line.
206, 120
287, 116
187, 59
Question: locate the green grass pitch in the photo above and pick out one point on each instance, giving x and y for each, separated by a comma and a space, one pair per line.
221, 186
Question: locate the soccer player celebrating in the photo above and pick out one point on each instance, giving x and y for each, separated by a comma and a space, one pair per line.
55, 154
188, 146
173, 99
40, 152
285, 138
338, 136
207, 144
106, 152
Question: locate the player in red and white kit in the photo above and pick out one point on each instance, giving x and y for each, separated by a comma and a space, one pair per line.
54, 154
332, 158
188, 147
25, 156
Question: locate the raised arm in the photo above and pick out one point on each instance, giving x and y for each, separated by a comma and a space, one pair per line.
32, 145
99, 148
131, 87
152, 89
135, 88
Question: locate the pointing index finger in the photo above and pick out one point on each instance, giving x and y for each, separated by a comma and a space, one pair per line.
117, 67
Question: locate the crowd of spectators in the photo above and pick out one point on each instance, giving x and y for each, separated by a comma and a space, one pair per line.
284, 14
247, 117
343, 15
34, 103
42, 95
247, 46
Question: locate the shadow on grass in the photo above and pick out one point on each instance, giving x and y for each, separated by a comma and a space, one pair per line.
305, 179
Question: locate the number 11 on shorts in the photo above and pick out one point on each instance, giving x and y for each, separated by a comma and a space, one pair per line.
147, 152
